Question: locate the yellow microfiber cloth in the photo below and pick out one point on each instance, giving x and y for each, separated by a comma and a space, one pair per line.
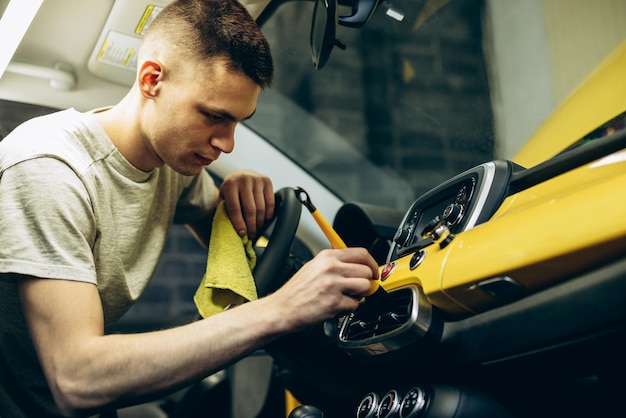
228, 279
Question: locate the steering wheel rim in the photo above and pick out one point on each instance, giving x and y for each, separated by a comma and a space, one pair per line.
287, 217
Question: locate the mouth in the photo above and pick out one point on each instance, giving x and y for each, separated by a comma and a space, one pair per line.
202, 160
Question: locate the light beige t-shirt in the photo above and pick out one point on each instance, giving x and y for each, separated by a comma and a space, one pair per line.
72, 207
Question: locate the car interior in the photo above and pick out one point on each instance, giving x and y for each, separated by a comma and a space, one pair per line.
474, 147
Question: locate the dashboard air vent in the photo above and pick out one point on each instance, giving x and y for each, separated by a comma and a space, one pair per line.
377, 327
372, 319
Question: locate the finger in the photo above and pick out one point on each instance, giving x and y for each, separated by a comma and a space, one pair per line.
349, 303
270, 203
358, 256
233, 207
263, 197
250, 207
354, 267
356, 287
260, 209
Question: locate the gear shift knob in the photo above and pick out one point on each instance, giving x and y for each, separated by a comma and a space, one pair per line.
306, 411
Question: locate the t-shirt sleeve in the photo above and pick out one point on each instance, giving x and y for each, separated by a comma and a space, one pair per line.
47, 225
197, 199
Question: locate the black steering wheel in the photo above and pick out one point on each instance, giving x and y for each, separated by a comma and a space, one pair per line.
267, 272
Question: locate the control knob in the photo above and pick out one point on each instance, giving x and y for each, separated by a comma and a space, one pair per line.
453, 214
306, 411
438, 231
403, 234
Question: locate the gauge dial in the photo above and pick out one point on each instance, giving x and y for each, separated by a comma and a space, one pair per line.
413, 403
389, 405
368, 406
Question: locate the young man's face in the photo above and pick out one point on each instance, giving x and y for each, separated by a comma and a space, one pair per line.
192, 118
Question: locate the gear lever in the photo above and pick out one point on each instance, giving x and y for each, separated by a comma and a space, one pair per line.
376, 293
306, 411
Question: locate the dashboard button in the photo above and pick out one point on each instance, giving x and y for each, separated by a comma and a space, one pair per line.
417, 259
387, 270
453, 214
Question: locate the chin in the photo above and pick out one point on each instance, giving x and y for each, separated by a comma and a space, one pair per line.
187, 170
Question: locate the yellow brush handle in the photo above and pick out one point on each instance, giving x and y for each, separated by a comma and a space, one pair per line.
336, 242
332, 236
374, 287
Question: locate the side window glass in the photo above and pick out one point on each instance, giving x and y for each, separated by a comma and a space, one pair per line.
404, 107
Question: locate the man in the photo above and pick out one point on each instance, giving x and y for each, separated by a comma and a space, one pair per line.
85, 203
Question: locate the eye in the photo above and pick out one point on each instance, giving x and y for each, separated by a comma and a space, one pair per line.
213, 118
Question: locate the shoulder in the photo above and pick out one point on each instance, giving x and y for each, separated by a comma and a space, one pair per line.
68, 135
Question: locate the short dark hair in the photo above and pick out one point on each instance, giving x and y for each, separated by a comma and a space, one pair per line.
216, 29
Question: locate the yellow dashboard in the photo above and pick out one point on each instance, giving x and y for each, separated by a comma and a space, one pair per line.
540, 235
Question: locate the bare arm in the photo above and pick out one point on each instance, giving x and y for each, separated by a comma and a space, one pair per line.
87, 369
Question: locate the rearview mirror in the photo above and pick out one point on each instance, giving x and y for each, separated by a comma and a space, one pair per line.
323, 31
324, 26
362, 11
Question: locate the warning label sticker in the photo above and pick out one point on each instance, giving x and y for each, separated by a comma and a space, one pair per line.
120, 50
148, 16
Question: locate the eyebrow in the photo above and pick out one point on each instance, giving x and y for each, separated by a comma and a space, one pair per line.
225, 114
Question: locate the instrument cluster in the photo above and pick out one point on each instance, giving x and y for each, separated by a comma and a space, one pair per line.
459, 204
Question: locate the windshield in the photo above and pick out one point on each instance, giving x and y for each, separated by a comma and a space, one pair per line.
404, 107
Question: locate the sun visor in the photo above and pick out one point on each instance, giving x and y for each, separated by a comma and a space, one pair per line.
114, 57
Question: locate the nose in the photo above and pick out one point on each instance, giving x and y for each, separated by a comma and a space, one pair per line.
224, 138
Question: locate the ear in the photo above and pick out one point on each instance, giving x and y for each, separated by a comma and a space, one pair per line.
149, 78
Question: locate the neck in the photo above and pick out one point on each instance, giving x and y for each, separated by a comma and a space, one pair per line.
121, 123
